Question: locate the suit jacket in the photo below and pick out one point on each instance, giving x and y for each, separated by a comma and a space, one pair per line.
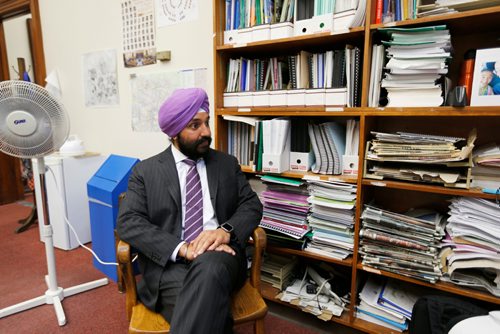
150, 216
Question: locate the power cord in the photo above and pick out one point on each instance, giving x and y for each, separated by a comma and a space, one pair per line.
60, 203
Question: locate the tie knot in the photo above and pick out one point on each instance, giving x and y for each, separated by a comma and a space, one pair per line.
189, 162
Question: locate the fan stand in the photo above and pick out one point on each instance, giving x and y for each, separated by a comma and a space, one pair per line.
55, 294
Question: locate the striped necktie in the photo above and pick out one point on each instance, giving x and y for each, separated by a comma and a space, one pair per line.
193, 221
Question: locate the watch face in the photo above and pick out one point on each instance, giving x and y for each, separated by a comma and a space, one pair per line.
227, 227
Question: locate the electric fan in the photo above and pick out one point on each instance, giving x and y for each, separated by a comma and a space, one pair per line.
34, 124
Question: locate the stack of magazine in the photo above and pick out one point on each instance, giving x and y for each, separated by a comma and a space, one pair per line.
420, 158
406, 244
331, 218
388, 303
471, 254
285, 211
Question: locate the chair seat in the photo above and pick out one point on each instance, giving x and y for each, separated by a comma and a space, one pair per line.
145, 321
247, 305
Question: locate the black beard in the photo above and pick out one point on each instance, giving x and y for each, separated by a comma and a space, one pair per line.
191, 150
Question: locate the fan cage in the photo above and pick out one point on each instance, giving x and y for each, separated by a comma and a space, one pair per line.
52, 126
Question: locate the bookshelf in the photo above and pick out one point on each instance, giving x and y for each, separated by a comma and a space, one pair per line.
473, 29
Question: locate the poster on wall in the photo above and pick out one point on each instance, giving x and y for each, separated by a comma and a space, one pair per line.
138, 30
170, 12
150, 90
100, 79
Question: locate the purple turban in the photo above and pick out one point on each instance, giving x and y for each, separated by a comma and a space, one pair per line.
178, 110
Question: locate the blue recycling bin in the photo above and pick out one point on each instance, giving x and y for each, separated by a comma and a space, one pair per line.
103, 190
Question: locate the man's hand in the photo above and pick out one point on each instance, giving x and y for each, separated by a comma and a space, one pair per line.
216, 240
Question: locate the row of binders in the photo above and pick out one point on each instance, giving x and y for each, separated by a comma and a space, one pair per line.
329, 78
256, 20
281, 144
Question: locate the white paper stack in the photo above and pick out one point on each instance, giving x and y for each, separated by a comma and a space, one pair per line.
473, 258
331, 218
417, 59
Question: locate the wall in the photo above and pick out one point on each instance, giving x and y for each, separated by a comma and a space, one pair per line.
73, 28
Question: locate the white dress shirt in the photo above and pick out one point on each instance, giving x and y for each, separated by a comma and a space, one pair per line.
209, 219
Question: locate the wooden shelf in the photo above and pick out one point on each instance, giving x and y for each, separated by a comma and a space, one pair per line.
293, 44
427, 188
300, 175
269, 293
431, 111
484, 19
323, 111
289, 111
310, 255
474, 29
443, 286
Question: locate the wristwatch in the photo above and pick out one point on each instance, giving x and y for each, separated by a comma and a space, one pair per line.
227, 228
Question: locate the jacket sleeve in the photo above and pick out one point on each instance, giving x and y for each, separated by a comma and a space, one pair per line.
142, 223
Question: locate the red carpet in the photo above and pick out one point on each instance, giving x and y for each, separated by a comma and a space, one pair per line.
101, 310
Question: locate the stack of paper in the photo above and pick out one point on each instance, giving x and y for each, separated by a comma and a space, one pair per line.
328, 141
473, 258
285, 207
486, 170
401, 156
387, 303
331, 218
417, 59
407, 244
278, 270
418, 148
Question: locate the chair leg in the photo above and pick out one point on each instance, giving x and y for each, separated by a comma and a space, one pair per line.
258, 326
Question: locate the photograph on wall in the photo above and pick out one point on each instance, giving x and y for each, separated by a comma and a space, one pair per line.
150, 90
100, 79
170, 12
486, 83
138, 30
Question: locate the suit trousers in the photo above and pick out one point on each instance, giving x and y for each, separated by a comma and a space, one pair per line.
196, 297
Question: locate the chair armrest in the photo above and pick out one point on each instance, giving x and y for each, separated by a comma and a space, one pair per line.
125, 266
260, 242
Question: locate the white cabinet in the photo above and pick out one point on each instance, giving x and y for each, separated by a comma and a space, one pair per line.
66, 180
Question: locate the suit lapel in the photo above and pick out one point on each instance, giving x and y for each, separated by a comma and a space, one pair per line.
212, 176
169, 171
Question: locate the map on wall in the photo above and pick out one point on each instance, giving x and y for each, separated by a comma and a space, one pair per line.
100, 79
150, 90
169, 12
138, 31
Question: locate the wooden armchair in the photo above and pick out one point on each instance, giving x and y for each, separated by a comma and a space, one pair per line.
247, 303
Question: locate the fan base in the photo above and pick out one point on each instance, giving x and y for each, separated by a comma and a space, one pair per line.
53, 297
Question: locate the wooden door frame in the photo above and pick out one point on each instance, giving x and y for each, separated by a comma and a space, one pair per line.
10, 176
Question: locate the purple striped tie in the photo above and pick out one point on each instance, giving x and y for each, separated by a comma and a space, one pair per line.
193, 222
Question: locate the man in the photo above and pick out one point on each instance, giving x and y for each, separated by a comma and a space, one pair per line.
191, 255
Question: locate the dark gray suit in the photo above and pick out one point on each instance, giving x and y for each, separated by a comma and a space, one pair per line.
150, 221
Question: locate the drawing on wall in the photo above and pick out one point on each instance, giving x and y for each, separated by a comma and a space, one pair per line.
170, 12
100, 79
138, 29
150, 90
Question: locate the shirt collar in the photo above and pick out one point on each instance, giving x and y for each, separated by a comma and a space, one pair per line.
179, 156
